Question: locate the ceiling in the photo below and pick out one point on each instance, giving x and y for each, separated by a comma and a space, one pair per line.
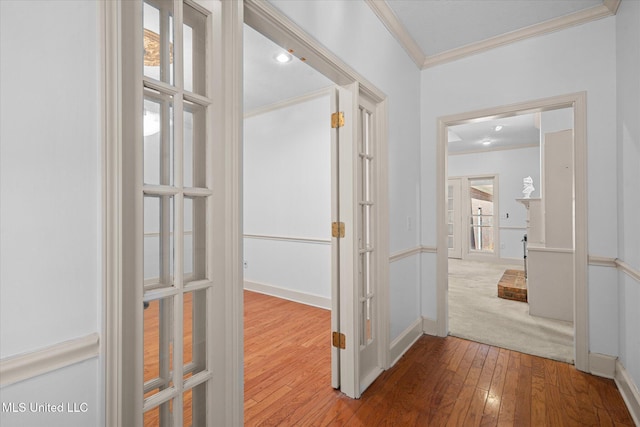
437, 31
267, 81
432, 32
485, 135
439, 26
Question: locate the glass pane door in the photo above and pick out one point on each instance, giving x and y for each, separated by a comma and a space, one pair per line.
177, 193
481, 226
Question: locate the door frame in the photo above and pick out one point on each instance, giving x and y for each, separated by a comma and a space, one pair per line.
578, 102
465, 214
267, 20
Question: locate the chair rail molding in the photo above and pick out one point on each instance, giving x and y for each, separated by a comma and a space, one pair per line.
24, 366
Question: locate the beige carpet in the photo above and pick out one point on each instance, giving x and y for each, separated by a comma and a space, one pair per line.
476, 313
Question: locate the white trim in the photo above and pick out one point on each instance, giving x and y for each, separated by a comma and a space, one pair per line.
231, 395
481, 151
556, 24
602, 261
615, 263
22, 367
428, 249
288, 239
602, 365
397, 30
577, 101
111, 211
288, 294
289, 102
429, 326
405, 254
629, 391
629, 270
415, 52
535, 248
405, 340
411, 252
266, 19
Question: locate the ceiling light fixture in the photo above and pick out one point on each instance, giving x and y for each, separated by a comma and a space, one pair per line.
486, 141
283, 58
497, 128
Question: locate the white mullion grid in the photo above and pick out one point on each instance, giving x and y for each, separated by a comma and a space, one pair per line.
197, 99
159, 86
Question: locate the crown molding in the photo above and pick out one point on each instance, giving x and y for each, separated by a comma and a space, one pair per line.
289, 102
399, 31
395, 27
587, 15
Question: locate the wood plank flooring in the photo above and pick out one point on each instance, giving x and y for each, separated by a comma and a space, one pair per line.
438, 382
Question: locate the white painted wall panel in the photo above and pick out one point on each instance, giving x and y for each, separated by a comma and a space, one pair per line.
628, 110
603, 306
287, 193
629, 337
37, 401
301, 267
287, 171
405, 308
50, 174
428, 283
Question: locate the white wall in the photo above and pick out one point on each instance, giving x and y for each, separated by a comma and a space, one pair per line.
50, 193
510, 166
287, 196
578, 59
356, 35
628, 124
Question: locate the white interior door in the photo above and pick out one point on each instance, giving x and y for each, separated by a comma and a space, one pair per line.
355, 311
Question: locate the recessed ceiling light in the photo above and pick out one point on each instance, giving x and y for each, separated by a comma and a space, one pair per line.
497, 128
283, 58
486, 142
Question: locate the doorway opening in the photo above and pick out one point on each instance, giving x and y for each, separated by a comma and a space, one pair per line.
357, 219
287, 192
486, 173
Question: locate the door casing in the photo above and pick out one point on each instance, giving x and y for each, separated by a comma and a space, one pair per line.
576, 101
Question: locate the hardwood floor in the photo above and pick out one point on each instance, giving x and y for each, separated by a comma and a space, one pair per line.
438, 382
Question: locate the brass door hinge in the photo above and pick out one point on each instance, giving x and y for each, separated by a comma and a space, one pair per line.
337, 120
339, 340
337, 229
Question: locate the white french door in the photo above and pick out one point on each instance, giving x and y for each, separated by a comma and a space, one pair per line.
356, 356
472, 217
175, 316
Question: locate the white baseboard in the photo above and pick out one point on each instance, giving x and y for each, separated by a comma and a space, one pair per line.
629, 391
429, 326
602, 365
406, 339
22, 367
288, 294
